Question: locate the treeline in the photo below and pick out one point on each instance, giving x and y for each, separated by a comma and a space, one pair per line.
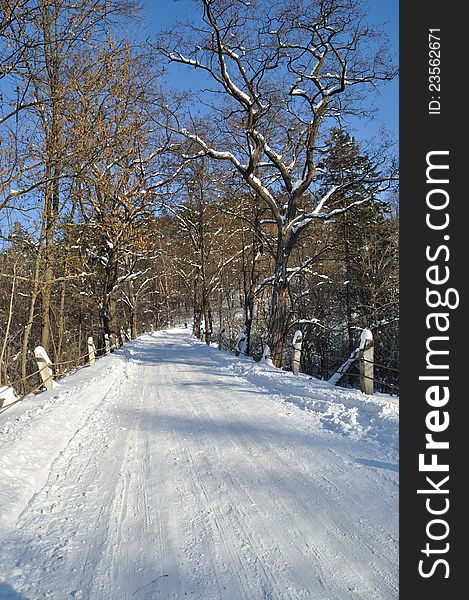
245, 210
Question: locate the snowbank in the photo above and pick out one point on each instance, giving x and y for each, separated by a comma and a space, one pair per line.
172, 469
345, 411
34, 432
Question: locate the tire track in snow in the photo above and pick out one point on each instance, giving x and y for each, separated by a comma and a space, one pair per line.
359, 581
132, 517
206, 530
267, 559
346, 495
57, 529
211, 489
230, 524
331, 520
233, 517
264, 456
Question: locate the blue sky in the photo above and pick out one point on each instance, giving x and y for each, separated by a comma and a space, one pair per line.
162, 13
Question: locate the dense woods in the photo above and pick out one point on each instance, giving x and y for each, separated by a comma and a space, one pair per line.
244, 208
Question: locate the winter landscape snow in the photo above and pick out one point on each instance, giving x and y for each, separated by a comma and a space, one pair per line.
172, 470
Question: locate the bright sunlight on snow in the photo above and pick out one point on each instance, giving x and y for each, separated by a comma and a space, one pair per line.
173, 470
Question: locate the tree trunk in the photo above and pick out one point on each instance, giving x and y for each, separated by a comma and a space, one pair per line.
133, 321
197, 305
207, 319
51, 203
32, 306
249, 282
248, 319
280, 307
348, 276
279, 314
133, 313
61, 324
3, 369
108, 319
26, 336
248, 289
53, 136
45, 310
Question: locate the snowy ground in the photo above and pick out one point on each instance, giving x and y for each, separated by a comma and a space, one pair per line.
173, 470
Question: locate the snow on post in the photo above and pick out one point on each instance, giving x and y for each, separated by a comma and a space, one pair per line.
44, 364
7, 395
107, 343
266, 356
297, 344
91, 351
241, 342
366, 361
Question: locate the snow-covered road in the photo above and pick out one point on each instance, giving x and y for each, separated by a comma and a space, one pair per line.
173, 470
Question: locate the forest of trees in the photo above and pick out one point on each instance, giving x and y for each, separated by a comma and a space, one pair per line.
243, 207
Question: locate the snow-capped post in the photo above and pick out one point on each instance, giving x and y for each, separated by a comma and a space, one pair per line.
107, 343
91, 351
366, 361
44, 364
241, 342
297, 343
266, 359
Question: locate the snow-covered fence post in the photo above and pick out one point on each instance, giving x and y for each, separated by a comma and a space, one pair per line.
44, 365
91, 351
366, 362
107, 343
266, 356
241, 342
297, 343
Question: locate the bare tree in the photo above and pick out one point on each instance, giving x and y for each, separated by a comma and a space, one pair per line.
44, 41
118, 173
282, 72
212, 239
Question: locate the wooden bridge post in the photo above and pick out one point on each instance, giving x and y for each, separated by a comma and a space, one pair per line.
91, 351
44, 364
240, 344
366, 362
297, 344
107, 343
